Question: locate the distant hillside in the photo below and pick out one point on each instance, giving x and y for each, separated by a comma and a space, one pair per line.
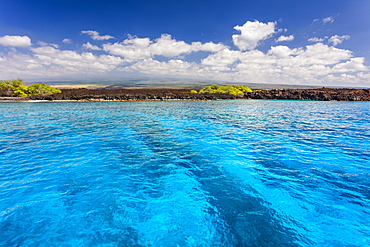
173, 83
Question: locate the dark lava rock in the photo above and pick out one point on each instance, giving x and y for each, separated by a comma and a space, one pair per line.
324, 94
131, 94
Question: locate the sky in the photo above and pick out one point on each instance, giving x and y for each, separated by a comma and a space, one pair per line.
324, 43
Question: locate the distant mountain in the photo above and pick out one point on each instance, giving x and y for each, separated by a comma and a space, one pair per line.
155, 82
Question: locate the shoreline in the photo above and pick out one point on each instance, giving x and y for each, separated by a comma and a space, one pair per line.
155, 94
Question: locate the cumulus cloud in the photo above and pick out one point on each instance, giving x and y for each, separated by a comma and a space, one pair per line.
285, 38
73, 61
316, 63
131, 49
67, 41
169, 47
135, 48
252, 33
282, 64
221, 60
49, 61
281, 51
89, 46
96, 36
353, 65
321, 54
336, 39
15, 41
172, 67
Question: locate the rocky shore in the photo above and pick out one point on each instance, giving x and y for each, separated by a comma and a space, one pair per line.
323, 94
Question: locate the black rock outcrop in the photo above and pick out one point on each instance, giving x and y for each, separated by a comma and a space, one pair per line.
324, 94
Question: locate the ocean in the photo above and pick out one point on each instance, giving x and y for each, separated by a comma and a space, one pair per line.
185, 173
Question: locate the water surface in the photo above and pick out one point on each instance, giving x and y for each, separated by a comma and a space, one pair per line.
183, 173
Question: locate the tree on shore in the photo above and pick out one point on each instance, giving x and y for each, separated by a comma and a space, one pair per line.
13, 88
36, 89
16, 88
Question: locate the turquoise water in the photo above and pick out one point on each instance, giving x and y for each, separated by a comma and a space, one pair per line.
182, 173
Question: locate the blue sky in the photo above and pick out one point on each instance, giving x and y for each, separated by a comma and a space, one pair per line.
266, 41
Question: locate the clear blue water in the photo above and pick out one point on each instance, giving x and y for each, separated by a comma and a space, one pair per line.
182, 173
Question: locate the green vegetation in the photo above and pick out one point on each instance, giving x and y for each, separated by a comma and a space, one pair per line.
234, 89
36, 89
16, 88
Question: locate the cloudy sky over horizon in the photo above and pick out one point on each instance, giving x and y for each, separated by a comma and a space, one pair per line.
285, 42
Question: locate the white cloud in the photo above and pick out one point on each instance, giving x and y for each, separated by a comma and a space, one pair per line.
131, 49
315, 39
281, 51
49, 61
317, 63
336, 39
353, 65
67, 41
135, 48
282, 30
169, 47
221, 60
252, 33
95, 35
282, 64
345, 79
210, 47
15, 41
172, 67
320, 54
89, 46
42, 43
285, 38
328, 20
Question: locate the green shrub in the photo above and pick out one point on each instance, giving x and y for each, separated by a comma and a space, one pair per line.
13, 88
234, 89
6, 89
243, 88
36, 89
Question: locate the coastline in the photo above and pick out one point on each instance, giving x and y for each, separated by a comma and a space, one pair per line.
155, 94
